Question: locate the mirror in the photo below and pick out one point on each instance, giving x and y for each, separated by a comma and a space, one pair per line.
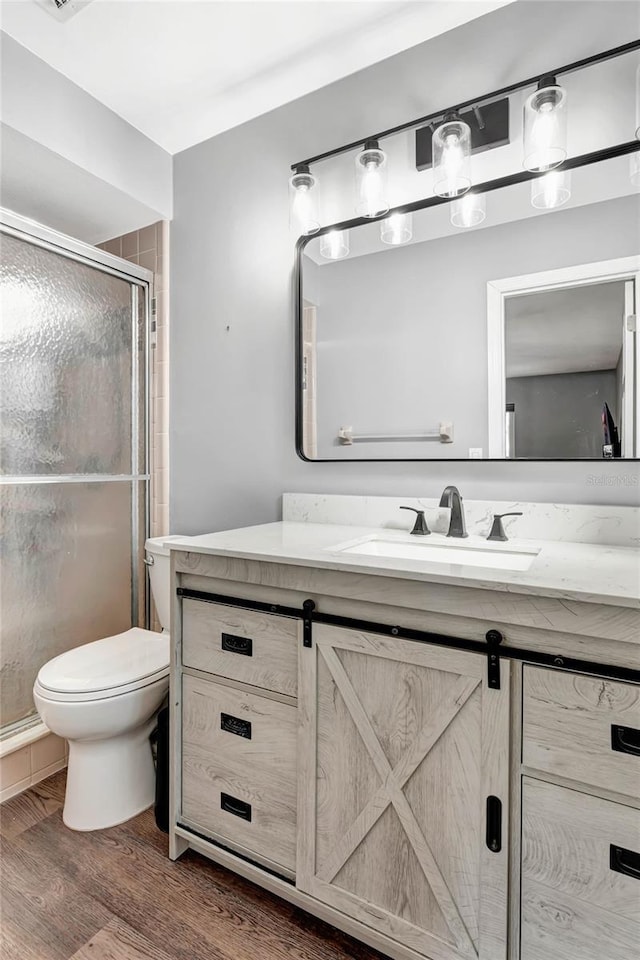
512, 337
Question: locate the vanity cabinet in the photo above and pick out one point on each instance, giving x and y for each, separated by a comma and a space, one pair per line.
348, 743
404, 791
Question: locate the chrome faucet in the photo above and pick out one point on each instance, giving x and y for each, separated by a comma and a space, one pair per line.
452, 499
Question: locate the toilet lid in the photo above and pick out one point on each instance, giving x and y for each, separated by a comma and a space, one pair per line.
106, 664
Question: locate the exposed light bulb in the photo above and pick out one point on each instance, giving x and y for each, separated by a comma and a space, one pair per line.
334, 245
371, 181
397, 229
551, 190
545, 127
451, 150
303, 189
469, 210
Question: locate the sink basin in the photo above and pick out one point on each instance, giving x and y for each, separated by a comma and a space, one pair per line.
462, 554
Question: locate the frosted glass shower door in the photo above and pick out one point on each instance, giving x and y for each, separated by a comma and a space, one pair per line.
73, 482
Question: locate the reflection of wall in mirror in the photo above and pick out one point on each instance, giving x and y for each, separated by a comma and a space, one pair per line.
402, 334
558, 416
563, 355
309, 413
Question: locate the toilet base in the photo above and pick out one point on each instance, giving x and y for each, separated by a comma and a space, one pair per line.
109, 781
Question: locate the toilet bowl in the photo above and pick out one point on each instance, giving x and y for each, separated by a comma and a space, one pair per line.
103, 697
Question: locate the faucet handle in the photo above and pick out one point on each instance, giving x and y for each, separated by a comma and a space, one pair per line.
497, 530
420, 528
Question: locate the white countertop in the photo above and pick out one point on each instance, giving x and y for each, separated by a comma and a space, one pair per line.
591, 573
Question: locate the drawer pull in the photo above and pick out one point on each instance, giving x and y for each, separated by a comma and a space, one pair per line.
241, 645
235, 725
494, 824
625, 740
237, 807
624, 861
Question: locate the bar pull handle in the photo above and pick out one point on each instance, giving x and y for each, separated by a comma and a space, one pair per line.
237, 807
624, 861
494, 824
240, 645
625, 740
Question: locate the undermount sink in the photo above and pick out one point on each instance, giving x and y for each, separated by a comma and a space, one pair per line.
463, 554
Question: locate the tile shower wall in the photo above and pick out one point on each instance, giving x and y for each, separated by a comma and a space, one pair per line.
149, 248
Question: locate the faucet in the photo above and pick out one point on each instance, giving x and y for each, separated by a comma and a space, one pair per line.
452, 499
420, 528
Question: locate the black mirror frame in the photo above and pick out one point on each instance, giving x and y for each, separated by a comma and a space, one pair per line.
584, 160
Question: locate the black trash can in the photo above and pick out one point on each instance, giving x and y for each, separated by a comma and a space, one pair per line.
162, 771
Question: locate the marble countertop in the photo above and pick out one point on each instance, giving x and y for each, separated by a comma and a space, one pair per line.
592, 573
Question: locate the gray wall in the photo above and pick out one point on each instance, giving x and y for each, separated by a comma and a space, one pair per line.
232, 347
559, 415
414, 320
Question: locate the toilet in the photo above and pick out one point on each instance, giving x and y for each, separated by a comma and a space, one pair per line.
103, 697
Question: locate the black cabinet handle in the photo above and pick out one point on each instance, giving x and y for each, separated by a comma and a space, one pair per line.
625, 740
624, 861
494, 824
241, 645
237, 807
235, 725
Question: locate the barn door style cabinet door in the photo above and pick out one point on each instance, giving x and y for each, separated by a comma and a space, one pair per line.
403, 791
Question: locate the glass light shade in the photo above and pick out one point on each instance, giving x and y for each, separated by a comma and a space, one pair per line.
551, 190
638, 103
451, 151
371, 181
634, 168
334, 245
397, 229
469, 210
303, 202
545, 127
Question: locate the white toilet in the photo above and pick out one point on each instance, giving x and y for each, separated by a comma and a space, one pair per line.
103, 698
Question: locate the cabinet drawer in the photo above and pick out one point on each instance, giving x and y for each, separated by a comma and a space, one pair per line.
239, 769
256, 648
583, 728
578, 903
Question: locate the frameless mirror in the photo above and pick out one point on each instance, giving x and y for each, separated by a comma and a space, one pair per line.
502, 326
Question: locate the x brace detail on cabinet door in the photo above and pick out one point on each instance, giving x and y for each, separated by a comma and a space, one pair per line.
404, 758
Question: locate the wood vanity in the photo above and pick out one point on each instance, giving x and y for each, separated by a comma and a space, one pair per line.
355, 744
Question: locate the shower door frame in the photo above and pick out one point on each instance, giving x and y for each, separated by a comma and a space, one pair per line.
30, 231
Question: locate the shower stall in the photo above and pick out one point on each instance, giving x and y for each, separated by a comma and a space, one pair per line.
74, 341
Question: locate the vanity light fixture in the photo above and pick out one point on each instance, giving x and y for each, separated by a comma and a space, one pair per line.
303, 201
371, 180
445, 139
470, 210
397, 229
451, 147
334, 245
545, 126
551, 190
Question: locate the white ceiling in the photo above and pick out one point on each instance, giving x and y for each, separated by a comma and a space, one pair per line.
182, 71
565, 331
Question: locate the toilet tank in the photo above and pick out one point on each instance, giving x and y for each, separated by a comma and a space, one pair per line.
159, 567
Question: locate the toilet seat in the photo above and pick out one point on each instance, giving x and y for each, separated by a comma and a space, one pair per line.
106, 668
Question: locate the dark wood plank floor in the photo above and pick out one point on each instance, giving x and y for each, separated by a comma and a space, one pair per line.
114, 895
